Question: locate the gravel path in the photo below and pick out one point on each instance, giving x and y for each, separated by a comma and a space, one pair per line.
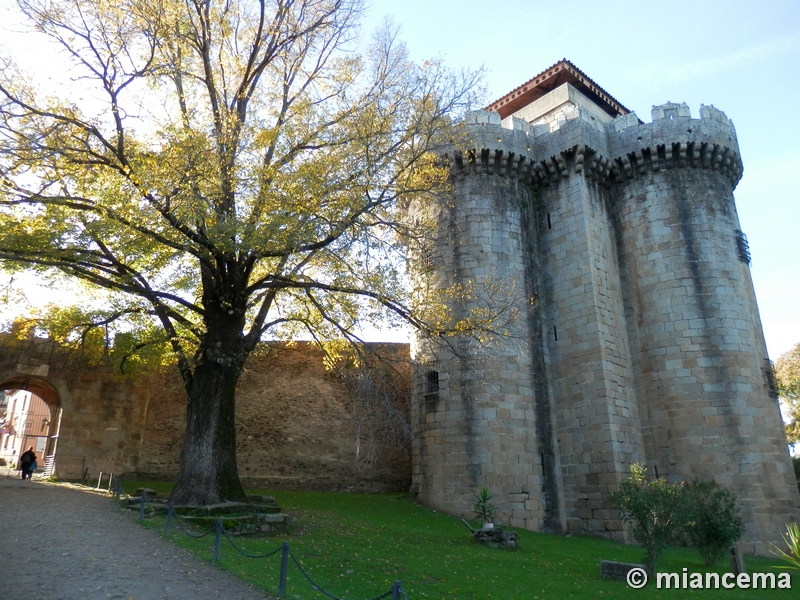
58, 543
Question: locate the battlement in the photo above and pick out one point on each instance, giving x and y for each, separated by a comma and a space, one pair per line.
494, 148
674, 139
486, 126
622, 148
671, 117
513, 147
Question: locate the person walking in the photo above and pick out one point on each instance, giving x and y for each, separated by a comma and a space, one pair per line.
26, 462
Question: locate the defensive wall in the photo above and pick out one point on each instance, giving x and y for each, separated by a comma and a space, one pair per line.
299, 426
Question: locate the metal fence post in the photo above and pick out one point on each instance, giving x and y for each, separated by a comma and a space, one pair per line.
284, 568
169, 517
396, 588
141, 505
217, 536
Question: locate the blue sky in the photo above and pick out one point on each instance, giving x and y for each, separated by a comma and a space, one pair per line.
742, 57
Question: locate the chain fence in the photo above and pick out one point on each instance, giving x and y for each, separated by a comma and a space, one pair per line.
395, 592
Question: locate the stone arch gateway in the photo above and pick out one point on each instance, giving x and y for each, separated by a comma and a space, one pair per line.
101, 416
32, 419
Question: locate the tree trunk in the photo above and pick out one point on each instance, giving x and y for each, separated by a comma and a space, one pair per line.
208, 470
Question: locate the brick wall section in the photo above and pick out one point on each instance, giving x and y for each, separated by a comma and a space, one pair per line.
699, 351
101, 426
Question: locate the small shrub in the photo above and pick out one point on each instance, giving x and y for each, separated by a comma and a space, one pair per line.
713, 523
792, 538
482, 507
654, 508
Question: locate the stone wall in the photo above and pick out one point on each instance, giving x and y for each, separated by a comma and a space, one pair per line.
296, 421
475, 421
590, 363
296, 426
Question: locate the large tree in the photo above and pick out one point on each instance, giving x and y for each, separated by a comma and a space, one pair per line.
236, 170
787, 374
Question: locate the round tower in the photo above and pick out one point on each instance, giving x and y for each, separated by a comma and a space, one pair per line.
474, 415
707, 400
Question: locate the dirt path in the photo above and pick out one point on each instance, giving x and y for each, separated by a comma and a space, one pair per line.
58, 543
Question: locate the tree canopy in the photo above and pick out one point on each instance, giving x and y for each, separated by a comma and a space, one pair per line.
787, 374
231, 169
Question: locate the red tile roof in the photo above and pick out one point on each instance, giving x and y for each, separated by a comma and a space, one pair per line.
549, 79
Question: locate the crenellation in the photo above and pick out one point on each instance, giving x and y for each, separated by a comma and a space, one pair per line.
519, 125
482, 117
714, 114
623, 122
670, 111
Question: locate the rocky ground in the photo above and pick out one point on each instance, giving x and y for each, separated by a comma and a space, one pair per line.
59, 543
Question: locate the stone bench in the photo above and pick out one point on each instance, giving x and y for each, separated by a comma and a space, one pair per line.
617, 570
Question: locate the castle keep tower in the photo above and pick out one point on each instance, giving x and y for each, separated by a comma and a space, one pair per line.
638, 337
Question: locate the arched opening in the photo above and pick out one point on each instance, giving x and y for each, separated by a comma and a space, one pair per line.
30, 416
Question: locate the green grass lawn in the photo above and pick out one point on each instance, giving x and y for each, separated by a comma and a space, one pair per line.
355, 545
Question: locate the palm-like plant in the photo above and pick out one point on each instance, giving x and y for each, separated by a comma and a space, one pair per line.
482, 507
792, 539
